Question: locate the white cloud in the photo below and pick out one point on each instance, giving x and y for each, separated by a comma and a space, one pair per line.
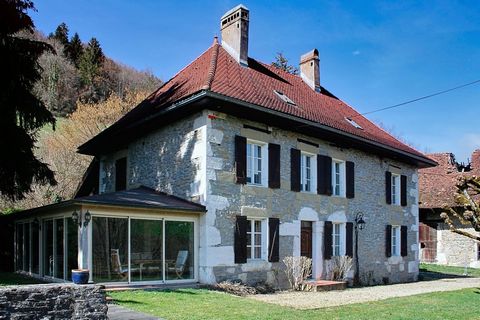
356, 52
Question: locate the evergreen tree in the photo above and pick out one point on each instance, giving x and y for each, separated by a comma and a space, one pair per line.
74, 50
22, 112
281, 62
91, 61
60, 34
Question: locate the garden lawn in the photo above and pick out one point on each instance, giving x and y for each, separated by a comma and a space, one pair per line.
459, 271
10, 278
204, 304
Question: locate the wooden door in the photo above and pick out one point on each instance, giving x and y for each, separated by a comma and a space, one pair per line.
306, 239
428, 243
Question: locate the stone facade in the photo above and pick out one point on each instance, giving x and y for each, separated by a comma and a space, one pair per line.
194, 159
53, 301
456, 250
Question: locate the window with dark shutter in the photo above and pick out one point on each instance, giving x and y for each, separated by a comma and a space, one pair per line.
241, 159
295, 169
274, 238
388, 241
324, 175
240, 239
388, 187
403, 190
403, 241
350, 176
327, 240
349, 240
121, 174
274, 165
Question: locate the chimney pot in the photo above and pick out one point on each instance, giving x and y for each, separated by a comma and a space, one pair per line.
310, 69
234, 27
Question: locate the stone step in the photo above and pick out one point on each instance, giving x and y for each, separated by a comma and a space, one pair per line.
325, 285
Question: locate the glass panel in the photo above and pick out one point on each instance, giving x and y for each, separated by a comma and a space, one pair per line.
258, 226
26, 246
35, 249
110, 249
179, 254
48, 248
59, 248
258, 252
249, 163
146, 250
72, 247
19, 246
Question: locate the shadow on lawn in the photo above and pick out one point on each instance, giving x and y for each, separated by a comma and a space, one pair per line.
432, 275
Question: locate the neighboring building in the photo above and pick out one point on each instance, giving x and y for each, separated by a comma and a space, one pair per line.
437, 187
226, 169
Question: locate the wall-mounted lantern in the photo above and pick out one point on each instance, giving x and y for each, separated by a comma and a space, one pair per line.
359, 225
77, 218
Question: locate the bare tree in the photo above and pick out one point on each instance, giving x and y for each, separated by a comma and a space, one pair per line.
467, 211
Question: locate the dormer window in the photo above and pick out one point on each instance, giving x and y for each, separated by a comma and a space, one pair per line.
353, 123
284, 97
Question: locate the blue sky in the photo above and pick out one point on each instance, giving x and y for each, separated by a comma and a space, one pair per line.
373, 53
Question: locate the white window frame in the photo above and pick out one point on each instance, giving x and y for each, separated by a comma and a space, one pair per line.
252, 166
338, 238
338, 179
395, 189
304, 173
263, 245
396, 241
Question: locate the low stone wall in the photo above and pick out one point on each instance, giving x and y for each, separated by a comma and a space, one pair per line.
53, 301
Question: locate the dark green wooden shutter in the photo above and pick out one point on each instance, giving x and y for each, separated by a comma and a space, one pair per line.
240, 239
327, 240
350, 177
403, 190
295, 169
274, 238
388, 187
274, 165
388, 241
241, 159
403, 240
324, 175
349, 240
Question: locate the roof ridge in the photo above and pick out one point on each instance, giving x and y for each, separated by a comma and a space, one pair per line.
213, 65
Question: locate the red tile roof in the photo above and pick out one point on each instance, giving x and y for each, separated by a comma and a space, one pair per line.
215, 70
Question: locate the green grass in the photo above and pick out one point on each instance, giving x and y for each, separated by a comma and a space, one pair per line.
9, 278
204, 304
472, 272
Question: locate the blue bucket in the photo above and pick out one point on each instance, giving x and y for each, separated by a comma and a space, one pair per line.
80, 276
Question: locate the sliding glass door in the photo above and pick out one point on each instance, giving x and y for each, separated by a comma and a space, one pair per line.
179, 251
146, 245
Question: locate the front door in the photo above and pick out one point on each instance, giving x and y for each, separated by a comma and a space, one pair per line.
306, 239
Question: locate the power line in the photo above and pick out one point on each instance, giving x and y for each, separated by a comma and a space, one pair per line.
420, 98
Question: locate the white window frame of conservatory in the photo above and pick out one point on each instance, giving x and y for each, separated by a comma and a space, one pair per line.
146, 216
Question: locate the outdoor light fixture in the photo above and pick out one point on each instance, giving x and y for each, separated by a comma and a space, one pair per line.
359, 225
86, 219
76, 218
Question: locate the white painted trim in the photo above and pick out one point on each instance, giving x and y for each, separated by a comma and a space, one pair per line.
342, 178
313, 171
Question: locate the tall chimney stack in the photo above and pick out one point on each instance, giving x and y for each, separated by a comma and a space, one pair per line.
234, 27
310, 69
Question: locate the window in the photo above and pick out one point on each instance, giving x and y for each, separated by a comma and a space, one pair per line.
121, 174
254, 239
308, 172
337, 239
284, 97
353, 123
395, 189
256, 163
338, 178
478, 251
395, 240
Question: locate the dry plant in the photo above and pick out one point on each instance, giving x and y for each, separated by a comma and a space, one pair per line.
297, 270
339, 267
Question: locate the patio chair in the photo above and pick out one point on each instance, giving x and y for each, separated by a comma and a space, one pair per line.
117, 265
179, 263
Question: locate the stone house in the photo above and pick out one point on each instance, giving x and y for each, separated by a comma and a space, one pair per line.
437, 187
226, 169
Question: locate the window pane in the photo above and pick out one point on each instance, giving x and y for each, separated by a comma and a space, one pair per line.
258, 239
146, 250
258, 226
35, 249
110, 249
179, 253
48, 248
258, 252
72, 247
249, 163
27, 248
19, 246
58, 263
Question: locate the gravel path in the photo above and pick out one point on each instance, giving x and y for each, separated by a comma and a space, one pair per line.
314, 300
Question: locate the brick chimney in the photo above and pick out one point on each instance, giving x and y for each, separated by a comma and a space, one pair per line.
310, 69
234, 27
475, 162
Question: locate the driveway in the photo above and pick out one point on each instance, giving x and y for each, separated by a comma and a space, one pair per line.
315, 300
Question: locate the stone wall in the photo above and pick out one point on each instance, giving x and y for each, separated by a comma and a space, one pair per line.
53, 301
456, 250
